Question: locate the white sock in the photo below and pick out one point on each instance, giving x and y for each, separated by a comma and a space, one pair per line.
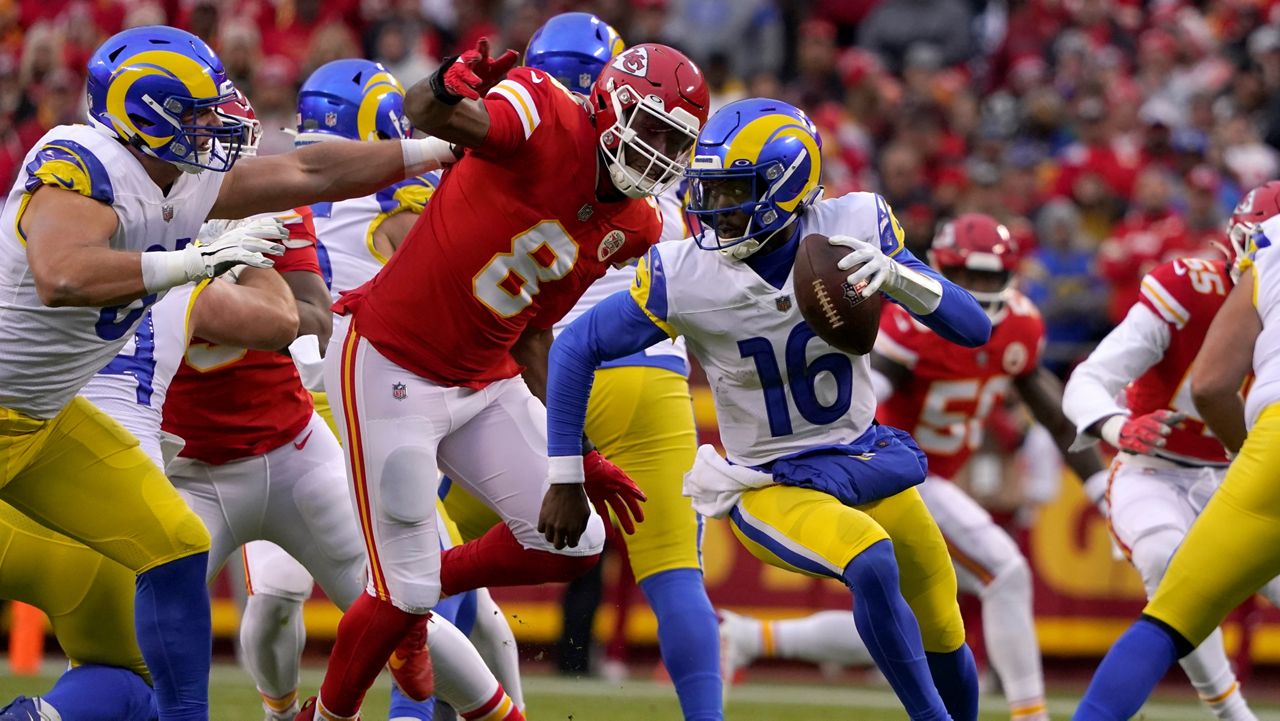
496, 643
823, 637
1010, 633
272, 636
1210, 673
462, 679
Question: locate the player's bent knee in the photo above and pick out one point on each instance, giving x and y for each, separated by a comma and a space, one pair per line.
1013, 579
415, 595
184, 534
405, 499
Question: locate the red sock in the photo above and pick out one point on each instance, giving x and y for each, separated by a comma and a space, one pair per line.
367, 634
498, 559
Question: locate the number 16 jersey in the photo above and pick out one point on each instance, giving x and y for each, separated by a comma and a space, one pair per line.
511, 238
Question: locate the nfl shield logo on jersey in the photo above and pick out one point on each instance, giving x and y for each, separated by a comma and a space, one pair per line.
784, 303
166, 212
612, 243
399, 392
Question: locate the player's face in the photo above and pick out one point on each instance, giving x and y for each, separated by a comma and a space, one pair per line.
204, 118
978, 281
663, 137
726, 193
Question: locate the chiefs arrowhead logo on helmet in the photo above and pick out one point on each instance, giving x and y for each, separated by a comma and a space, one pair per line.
1256, 206
633, 62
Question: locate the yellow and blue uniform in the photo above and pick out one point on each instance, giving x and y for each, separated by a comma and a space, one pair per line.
741, 323
64, 461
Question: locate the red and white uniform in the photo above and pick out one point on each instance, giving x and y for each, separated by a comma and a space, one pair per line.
1143, 366
1153, 500
944, 404
258, 463
420, 368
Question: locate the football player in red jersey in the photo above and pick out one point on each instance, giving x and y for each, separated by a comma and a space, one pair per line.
941, 394
1169, 462
424, 369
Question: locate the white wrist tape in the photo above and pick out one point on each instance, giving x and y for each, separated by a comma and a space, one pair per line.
917, 292
422, 155
1110, 430
565, 469
165, 270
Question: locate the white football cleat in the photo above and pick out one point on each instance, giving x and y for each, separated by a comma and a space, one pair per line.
739, 645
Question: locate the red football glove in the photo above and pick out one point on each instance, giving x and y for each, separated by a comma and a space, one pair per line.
474, 73
605, 483
1145, 434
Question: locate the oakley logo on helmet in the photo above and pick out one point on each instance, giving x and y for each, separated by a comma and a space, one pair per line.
633, 62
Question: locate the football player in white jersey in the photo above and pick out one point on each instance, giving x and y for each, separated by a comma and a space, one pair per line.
811, 484
88, 597
1169, 463
97, 227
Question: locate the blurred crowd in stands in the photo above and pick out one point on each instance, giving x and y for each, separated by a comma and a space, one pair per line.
1107, 134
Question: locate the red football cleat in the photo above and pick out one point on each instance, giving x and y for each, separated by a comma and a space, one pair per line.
308, 712
410, 664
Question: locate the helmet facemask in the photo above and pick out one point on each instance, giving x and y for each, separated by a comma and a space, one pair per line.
195, 146
738, 205
989, 284
647, 147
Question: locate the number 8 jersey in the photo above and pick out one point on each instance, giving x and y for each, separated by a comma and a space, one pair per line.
511, 238
48, 354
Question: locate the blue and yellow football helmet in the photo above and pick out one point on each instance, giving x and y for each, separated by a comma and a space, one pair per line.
354, 99
772, 151
148, 86
573, 48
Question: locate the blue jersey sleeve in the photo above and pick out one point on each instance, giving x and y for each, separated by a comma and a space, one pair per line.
958, 318
614, 328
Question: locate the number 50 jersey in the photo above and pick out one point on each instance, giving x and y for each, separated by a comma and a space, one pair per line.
48, 354
945, 401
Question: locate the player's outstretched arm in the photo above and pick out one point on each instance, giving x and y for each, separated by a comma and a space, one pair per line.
1042, 392
448, 104
329, 171
1128, 351
1224, 361
614, 328
256, 312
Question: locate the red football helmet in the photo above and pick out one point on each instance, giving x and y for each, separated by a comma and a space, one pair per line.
239, 109
977, 253
1257, 205
650, 102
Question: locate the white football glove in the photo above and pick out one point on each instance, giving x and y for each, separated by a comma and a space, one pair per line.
916, 291
247, 243
876, 266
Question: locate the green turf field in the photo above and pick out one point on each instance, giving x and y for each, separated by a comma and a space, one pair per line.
558, 699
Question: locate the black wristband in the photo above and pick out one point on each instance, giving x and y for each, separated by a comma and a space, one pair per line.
436, 81
587, 445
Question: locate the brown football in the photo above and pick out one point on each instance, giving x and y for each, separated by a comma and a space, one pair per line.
831, 306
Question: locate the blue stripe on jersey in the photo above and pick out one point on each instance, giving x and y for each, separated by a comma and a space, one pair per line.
764, 538
673, 363
69, 165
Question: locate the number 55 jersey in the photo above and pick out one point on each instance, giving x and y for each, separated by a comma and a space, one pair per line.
511, 238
